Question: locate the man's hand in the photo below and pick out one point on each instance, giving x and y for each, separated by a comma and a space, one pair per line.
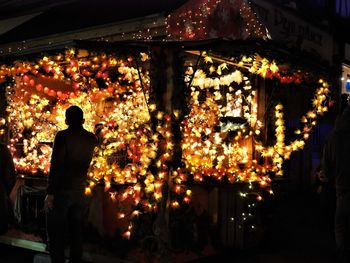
48, 203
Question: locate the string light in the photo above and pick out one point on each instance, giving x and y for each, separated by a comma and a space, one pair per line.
214, 18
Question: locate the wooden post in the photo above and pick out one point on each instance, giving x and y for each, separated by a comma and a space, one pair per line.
168, 94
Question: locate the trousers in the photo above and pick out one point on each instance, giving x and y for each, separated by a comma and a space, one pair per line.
64, 225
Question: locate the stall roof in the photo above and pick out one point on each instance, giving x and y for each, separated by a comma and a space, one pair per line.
46, 31
9, 24
80, 14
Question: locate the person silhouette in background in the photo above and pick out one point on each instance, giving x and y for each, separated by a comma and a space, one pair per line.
337, 169
7, 182
65, 201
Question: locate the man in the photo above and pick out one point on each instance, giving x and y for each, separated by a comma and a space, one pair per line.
65, 200
7, 181
337, 169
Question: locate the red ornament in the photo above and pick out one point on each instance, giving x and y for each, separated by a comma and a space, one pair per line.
110, 89
32, 82
52, 93
39, 87
269, 74
75, 85
86, 73
47, 69
25, 79
167, 118
64, 96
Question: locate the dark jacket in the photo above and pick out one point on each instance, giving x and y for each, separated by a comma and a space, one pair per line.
336, 155
7, 181
71, 157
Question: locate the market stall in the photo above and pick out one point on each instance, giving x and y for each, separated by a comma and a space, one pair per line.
187, 131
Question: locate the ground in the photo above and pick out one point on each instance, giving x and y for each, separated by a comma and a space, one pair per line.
297, 232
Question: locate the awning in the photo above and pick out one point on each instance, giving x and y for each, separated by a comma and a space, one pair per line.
10, 23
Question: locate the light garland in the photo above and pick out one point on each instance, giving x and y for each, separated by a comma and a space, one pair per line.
233, 151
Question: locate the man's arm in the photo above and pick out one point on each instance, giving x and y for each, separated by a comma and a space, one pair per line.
57, 162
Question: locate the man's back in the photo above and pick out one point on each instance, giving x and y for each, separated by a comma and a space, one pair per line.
71, 157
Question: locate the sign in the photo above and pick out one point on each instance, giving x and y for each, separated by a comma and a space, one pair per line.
286, 27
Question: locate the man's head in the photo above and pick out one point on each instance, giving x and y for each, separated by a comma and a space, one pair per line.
74, 116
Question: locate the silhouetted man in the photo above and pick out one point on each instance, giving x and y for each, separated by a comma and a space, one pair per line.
65, 200
337, 169
7, 181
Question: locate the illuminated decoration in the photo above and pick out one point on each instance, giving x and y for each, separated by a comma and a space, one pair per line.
115, 105
222, 132
281, 151
35, 120
221, 135
205, 19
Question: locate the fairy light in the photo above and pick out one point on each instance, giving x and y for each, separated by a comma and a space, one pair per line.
200, 20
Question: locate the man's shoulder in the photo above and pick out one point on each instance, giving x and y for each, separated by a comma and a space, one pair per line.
61, 133
90, 135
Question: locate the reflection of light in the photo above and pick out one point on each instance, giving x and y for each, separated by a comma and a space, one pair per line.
347, 84
127, 234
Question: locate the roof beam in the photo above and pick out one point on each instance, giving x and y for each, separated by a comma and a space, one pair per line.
154, 24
